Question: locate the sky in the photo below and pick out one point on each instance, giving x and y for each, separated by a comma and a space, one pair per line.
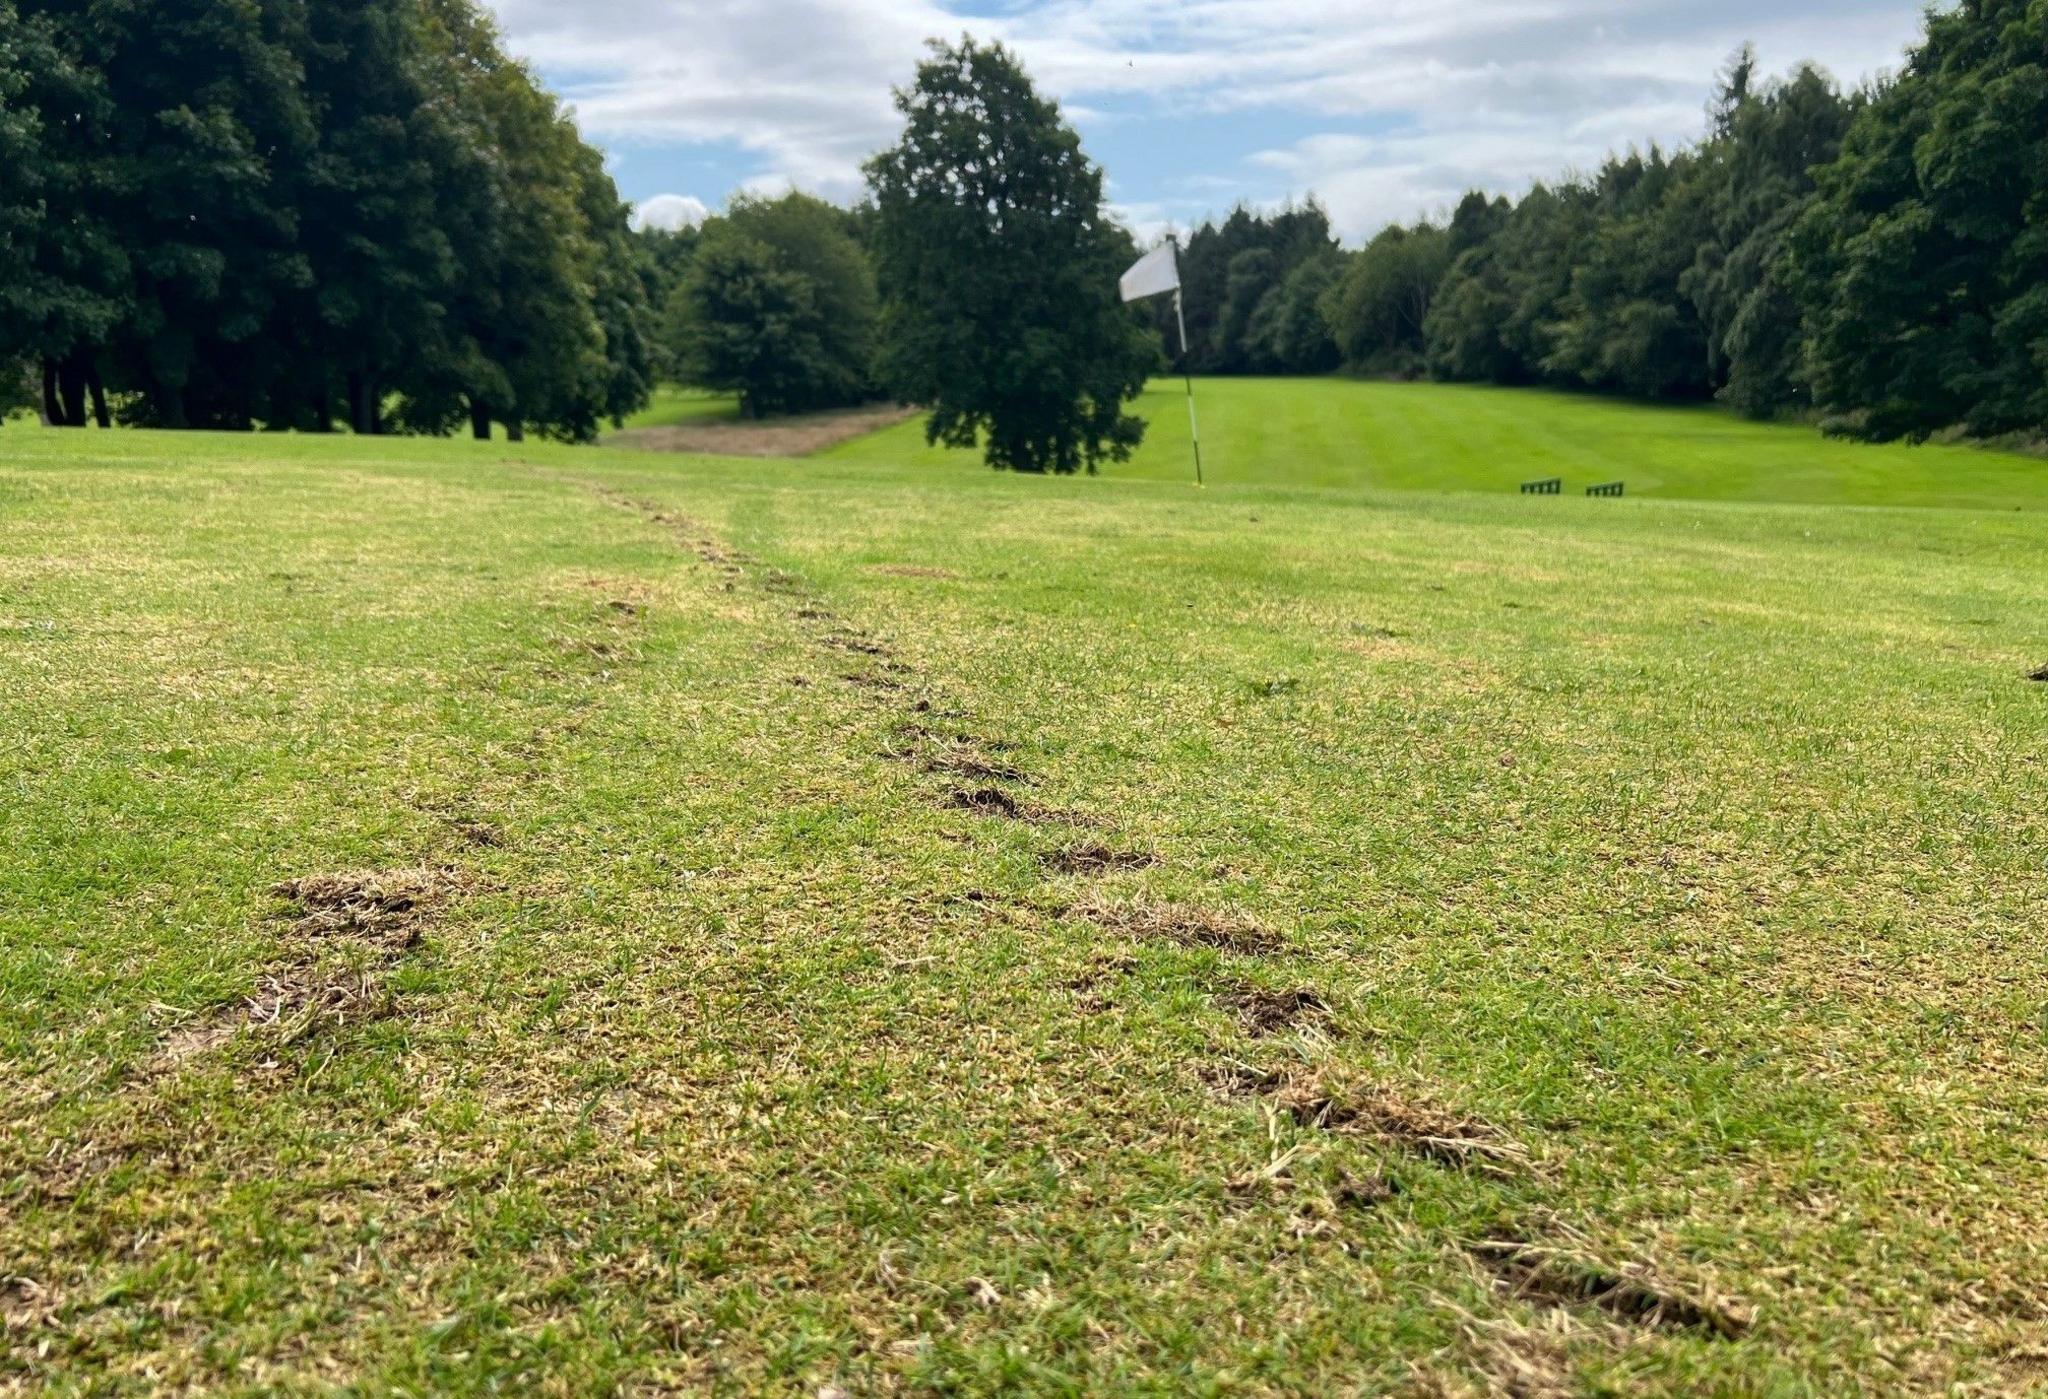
1387, 110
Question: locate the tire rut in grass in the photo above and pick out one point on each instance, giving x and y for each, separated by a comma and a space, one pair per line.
982, 783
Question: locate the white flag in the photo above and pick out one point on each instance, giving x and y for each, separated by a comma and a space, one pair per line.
1157, 271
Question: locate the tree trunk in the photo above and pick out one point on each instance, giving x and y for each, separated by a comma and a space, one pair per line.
100, 414
358, 405
323, 410
71, 385
479, 420
376, 406
515, 431
53, 411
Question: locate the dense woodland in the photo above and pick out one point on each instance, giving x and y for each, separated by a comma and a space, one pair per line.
285, 213
291, 212
1878, 258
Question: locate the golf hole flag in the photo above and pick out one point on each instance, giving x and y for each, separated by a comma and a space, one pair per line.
1154, 274
1158, 271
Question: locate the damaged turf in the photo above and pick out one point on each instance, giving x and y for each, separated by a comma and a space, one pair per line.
1416, 1128
1096, 859
1634, 1293
348, 932
1264, 1012
1181, 923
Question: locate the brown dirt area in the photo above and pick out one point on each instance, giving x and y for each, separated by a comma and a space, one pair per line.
797, 436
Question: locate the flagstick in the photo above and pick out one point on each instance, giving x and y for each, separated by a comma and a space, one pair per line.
1188, 373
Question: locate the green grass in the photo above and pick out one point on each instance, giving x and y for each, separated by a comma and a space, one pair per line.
674, 406
1682, 859
1444, 437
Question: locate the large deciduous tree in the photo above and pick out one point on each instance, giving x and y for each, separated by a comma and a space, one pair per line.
779, 306
998, 270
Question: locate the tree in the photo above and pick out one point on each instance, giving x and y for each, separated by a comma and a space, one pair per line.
998, 271
523, 345
64, 272
1229, 270
1289, 331
1756, 178
1379, 309
373, 227
779, 306
1624, 325
21, 199
207, 129
1923, 263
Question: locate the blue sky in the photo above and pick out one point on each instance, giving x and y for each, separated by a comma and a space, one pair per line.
1386, 109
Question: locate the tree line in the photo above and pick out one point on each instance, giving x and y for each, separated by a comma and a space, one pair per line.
1876, 258
284, 213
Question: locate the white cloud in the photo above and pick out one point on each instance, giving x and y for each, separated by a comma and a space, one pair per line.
670, 212
1494, 92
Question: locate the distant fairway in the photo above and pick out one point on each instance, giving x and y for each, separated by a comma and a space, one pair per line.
485, 918
1339, 432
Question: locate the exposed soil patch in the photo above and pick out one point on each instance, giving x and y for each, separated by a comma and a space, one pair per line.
1364, 1192
1189, 926
1096, 859
1264, 1012
990, 801
382, 907
796, 436
1634, 1294
854, 644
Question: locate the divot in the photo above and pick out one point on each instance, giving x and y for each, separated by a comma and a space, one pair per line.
1096, 859
1634, 1293
1414, 1128
1264, 1012
1235, 933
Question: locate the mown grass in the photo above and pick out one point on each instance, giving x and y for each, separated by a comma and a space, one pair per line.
1668, 875
1450, 437
676, 406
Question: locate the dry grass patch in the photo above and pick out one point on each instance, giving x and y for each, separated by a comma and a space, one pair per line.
368, 918
1415, 1127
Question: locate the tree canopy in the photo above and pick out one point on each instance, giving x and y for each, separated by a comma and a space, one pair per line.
998, 272
779, 306
265, 212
